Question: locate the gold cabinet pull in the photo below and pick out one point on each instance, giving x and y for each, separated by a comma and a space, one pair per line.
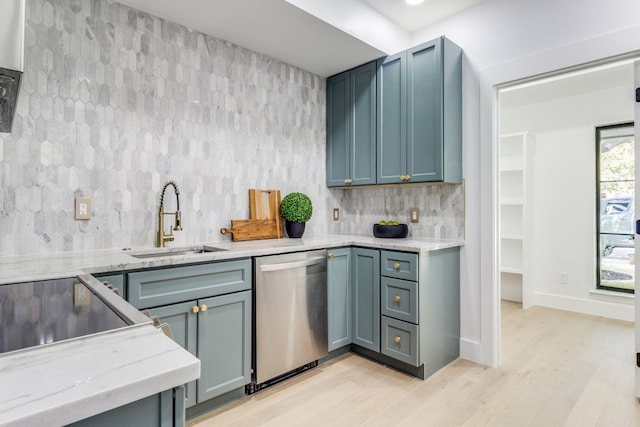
396, 339
203, 308
396, 266
396, 298
195, 309
330, 255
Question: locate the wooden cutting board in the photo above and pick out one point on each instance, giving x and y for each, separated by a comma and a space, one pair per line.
251, 229
265, 204
265, 222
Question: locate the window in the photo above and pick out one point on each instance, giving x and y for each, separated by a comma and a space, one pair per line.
615, 174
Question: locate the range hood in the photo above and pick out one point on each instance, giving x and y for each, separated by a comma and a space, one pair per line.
12, 22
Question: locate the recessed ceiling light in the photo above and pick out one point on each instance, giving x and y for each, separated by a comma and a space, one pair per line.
413, 2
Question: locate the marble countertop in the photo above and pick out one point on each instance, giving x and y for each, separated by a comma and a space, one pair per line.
66, 381
68, 264
89, 375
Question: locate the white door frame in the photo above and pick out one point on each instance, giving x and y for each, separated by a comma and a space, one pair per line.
637, 202
615, 46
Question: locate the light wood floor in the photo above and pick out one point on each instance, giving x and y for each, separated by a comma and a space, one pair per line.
558, 369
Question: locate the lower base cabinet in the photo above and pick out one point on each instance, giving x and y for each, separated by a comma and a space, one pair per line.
164, 409
404, 310
217, 330
365, 279
209, 309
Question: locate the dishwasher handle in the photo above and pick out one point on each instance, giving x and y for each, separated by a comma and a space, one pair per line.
293, 264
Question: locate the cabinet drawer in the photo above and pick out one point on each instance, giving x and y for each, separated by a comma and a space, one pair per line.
400, 340
399, 299
171, 285
400, 265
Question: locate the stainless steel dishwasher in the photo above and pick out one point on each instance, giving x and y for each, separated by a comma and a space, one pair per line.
291, 314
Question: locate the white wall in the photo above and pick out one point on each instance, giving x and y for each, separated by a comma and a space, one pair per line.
507, 40
564, 202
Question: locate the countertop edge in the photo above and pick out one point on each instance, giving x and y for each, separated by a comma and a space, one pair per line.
126, 365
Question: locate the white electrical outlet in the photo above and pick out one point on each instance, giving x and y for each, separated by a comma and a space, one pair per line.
83, 208
81, 295
563, 278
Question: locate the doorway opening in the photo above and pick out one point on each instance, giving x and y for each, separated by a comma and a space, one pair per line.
547, 190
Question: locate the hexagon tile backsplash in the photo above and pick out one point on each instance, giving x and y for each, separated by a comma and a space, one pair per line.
114, 102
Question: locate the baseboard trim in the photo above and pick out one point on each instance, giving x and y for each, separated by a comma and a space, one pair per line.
594, 307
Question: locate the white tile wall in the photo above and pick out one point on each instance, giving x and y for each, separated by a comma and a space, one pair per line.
115, 102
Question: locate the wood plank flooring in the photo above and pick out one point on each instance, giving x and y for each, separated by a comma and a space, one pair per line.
558, 369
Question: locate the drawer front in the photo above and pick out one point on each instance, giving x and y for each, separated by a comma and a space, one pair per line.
399, 299
400, 340
167, 286
400, 265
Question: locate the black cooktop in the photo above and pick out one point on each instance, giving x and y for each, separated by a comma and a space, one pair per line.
37, 313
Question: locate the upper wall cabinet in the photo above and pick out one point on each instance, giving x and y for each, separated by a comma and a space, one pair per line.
419, 119
351, 127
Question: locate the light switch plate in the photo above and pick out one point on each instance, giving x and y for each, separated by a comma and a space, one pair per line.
83, 208
414, 215
336, 214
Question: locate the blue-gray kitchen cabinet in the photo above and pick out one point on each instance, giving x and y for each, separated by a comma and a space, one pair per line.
339, 297
215, 327
366, 298
351, 127
419, 118
164, 409
114, 279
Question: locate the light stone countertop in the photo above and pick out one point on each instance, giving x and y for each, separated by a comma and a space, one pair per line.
71, 380
69, 264
67, 381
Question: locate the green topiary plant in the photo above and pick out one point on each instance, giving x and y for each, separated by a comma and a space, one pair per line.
296, 207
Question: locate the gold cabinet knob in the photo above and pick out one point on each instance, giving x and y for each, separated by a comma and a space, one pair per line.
407, 178
396, 266
203, 307
396, 339
195, 309
350, 181
346, 180
396, 298
330, 255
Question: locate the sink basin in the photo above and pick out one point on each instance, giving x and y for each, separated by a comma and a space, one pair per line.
173, 252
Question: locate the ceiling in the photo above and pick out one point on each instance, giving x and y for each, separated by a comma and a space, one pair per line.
414, 18
279, 29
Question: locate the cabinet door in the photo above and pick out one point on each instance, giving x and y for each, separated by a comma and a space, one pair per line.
224, 344
366, 298
339, 297
391, 119
363, 124
351, 127
424, 112
338, 129
184, 326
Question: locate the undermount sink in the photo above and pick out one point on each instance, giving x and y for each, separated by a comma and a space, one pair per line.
173, 252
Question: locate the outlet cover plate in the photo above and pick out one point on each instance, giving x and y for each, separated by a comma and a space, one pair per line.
414, 215
83, 208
